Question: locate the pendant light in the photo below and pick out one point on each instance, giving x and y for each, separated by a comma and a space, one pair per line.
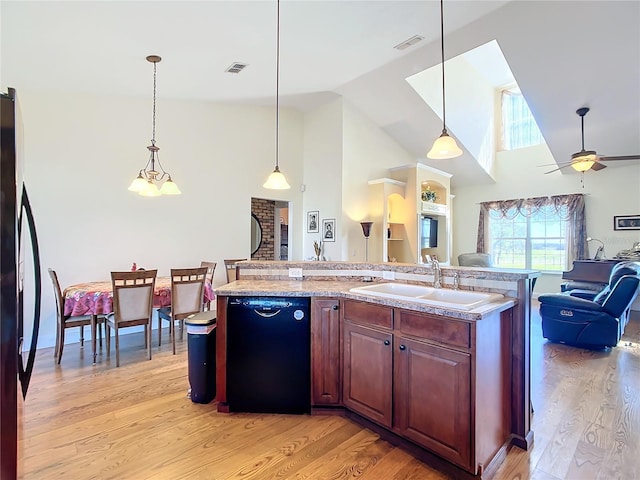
277, 180
146, 183
445, 146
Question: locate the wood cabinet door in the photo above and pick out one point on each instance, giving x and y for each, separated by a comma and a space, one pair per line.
433, 398
325, 351
367, 372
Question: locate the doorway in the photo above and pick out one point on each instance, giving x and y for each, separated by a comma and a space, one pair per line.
270, 236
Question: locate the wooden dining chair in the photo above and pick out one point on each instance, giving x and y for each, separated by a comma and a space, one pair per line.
187, 288
232, 271
211, 268
132, 305
69, 321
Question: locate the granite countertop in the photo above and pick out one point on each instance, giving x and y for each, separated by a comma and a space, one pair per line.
340, 289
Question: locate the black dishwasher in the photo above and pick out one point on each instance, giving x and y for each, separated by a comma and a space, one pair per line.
268, 355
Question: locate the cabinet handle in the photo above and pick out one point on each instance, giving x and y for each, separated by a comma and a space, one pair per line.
387, 342
335, 307
402, 347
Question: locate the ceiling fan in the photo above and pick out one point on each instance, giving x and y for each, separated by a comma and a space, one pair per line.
588, 159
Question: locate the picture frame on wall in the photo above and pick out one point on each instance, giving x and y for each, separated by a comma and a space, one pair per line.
313, 221
329, 230
626, 222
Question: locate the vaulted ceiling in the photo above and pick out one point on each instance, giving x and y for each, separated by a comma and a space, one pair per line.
563, 54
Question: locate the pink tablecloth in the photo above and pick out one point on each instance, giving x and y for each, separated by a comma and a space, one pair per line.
97, 297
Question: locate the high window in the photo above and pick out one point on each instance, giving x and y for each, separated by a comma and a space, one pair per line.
519, 128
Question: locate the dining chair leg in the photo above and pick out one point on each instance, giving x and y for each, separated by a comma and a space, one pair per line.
181, 331
117, 346
146, 336
173, 337
60, 344
159, 329
81, 336
57, 347
148, 339
100, 326
107, 334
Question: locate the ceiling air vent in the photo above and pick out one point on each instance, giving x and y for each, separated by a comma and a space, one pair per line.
407, 43
236, 67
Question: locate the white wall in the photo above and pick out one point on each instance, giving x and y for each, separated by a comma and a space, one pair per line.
611, 191
82, 151
343, 150
470, 105
322, 175
368, 153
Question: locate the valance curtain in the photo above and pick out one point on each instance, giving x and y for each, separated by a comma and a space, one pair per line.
574, 215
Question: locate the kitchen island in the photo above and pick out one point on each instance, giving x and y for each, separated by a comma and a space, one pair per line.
445, 383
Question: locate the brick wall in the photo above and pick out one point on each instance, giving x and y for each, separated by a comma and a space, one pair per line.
265, 210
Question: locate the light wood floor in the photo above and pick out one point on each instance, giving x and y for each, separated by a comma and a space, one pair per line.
135, 422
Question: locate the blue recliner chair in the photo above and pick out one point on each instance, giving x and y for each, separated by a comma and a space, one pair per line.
596, 323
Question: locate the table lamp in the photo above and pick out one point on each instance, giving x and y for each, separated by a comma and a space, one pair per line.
600, 251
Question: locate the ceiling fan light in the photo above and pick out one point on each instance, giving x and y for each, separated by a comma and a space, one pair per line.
444, 147
276, 181
583, 160
583, 165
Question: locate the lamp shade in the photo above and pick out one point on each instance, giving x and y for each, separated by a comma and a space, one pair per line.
276, 181
138, 184
169, 188
366, 228
444, 147
150, 190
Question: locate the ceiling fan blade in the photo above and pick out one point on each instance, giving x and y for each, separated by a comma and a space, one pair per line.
598, 166
559, 168
618, 157
556, 164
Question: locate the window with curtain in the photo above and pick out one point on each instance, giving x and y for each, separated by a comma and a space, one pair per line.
543, 233
519, 128
533, 240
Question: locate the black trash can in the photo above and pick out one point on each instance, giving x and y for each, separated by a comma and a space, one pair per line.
201, 338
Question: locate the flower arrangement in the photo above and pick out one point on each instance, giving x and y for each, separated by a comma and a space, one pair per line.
429, 195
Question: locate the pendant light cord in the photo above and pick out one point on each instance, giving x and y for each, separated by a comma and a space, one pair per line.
582, 128
444, 109
278, 86
153, 122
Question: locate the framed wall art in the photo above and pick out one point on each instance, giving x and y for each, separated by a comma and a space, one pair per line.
313, 222
329, 230
626, 222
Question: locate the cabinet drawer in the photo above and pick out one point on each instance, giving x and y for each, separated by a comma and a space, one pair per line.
432, 327
368, 313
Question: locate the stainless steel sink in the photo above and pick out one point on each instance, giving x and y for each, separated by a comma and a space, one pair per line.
441, 297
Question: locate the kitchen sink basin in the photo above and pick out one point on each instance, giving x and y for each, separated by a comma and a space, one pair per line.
441, 297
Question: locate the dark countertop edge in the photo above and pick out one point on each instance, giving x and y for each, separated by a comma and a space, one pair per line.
252, 289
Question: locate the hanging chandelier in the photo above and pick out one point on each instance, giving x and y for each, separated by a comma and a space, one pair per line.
277, 180
146, 183
445, 146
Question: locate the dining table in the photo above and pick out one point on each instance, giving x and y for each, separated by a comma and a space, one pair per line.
96, 298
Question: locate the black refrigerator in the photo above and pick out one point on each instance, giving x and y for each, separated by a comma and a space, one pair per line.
17, 241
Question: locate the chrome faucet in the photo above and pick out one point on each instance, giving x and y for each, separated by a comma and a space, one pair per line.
437, 273
456, 281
